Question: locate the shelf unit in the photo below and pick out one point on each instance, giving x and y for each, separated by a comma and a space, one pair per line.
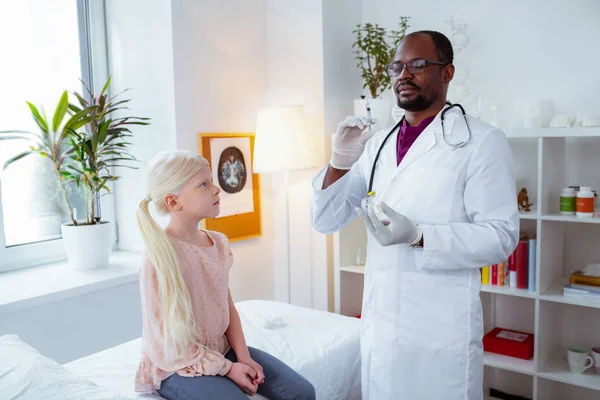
546, 160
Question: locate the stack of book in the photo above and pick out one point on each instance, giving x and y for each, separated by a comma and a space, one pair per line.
516, 272
584, 283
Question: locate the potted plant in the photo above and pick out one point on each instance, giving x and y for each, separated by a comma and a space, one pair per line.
84, 152
374, 49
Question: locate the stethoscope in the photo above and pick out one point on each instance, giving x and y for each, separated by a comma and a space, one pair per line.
370, 191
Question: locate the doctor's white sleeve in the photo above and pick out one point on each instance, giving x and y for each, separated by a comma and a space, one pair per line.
332, 208
491, 206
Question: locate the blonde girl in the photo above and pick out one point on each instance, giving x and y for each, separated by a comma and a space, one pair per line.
193, 346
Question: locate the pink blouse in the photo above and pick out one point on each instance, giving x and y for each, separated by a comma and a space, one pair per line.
206, 273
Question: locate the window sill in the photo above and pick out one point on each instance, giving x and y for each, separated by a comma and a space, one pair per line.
46, 283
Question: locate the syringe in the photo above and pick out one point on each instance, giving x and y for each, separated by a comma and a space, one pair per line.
369, 114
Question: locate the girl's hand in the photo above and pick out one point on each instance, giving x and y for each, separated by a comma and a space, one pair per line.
260, 375
243, 376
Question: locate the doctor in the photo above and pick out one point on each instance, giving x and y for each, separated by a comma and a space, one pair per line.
447, 195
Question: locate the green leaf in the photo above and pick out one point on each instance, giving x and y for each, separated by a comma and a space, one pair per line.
74, 108
82, 101
75, 122
105, 88
39, 120
15, 135
101, 103
17, 157
61, 110
103, 131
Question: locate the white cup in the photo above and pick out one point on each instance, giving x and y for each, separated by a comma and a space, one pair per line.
579, 360
596, 357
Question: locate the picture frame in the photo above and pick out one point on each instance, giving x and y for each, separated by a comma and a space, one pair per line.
230, 156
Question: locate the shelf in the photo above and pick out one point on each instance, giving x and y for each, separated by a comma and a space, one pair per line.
508, 291
528, 215
552, 132
570, 218
509, 363
558, 370
555, 294
357, 269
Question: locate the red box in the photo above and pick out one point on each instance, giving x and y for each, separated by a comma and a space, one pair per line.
509, 343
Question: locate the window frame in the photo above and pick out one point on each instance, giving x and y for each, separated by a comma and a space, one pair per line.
94, 72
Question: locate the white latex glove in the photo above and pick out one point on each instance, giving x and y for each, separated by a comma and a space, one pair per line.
396, 229
349, 141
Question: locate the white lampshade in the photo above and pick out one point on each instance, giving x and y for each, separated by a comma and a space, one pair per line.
282, 142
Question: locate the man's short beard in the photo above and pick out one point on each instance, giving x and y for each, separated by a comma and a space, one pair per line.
419, 103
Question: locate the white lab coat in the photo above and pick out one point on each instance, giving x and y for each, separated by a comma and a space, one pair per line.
422, 324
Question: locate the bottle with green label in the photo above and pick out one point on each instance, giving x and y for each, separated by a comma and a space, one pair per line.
568, 201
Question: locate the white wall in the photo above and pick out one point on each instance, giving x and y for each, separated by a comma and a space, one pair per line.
520, 51
140, 52
225, 61
295, 76
194, 67
220, 59
342, 82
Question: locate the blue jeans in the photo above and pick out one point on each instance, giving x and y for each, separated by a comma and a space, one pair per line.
281, 383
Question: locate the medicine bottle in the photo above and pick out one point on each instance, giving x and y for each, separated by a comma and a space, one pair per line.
568, 201
585, 202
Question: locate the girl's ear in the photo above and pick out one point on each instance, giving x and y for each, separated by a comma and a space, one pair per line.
172, 202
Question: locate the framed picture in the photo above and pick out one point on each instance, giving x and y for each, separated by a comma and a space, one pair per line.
230, 159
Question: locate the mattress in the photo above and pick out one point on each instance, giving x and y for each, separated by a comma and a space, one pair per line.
323, 347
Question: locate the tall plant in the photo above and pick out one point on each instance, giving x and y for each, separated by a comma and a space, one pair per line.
374, 49
52, 139
86, 148
102, 147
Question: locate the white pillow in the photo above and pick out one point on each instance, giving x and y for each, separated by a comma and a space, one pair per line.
26, 374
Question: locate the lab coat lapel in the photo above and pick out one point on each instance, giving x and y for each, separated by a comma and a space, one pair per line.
422, 145
425, 142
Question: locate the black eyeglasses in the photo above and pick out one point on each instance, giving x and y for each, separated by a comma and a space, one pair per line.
415, 66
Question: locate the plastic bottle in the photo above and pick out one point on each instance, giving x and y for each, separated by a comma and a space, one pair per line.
585, 202
568, 201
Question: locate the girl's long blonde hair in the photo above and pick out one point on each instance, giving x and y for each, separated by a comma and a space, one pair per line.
169, 171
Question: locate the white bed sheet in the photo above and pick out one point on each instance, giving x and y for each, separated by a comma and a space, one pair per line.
321, 346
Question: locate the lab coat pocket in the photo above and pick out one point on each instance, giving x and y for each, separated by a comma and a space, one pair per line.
434, 310
430, 194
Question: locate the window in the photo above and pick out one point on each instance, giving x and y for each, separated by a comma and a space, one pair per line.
46, 48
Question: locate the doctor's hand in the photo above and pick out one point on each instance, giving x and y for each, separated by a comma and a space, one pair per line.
349, 141
396, 229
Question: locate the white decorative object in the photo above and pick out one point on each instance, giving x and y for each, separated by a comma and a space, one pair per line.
547, 110
88, 246
494, 115
533, 119
562, 121
380, 111
589, 120
539, 115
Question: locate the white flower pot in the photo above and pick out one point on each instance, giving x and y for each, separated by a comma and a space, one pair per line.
88, 246
381, 110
